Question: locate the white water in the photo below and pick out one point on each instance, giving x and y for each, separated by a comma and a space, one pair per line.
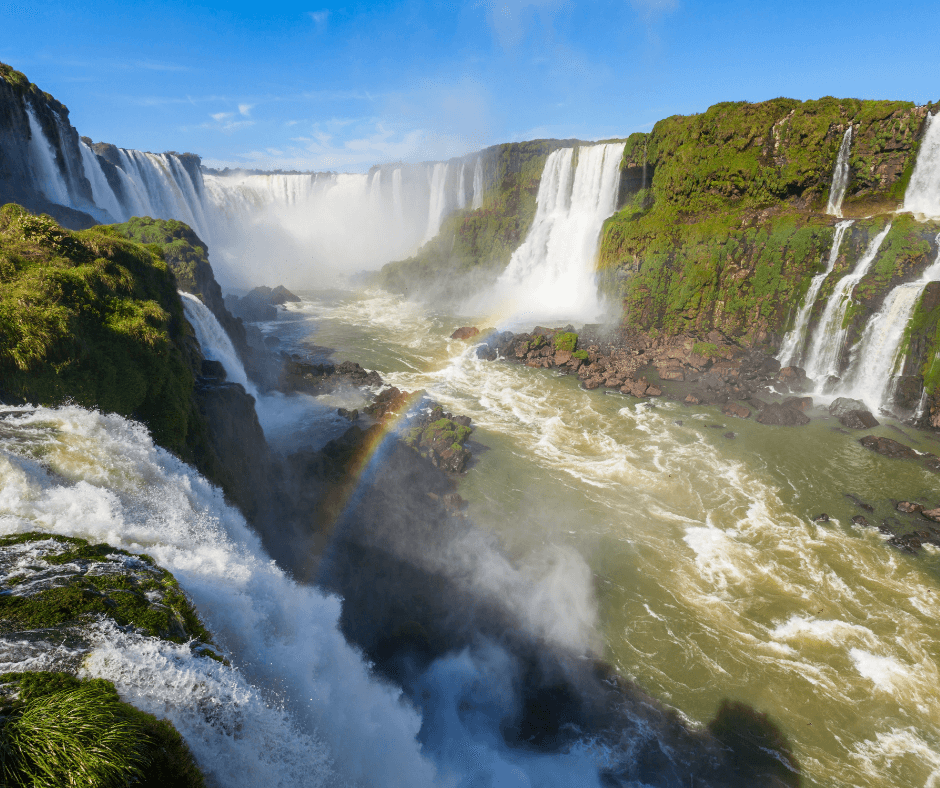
477, 201
826, 347
923, 192
840, 176
50, 180
462, 188
437, 206
552, 274
791, 351
213, 340
100, 188
298, 707
877, 359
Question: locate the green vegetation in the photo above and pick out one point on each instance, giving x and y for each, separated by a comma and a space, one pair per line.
174, 242
581, 354
710, 350
60, 730
566, 342
23, 88
91, 318
440, 433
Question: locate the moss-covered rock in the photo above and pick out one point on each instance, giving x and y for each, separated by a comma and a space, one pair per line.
91, 318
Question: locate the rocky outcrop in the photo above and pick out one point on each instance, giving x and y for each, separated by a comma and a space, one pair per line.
299, 375
260, 305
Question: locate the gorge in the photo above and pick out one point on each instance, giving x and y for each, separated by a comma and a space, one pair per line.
625, 587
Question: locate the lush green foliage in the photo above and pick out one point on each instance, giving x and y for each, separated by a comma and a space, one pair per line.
566, 341
61, 730
92, 318
23, 87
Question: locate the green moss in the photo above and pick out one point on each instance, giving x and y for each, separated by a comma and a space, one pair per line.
566, 342
61, 730
24, 88
581, 354
90, 318
710, 350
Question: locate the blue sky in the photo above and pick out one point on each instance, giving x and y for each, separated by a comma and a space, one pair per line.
328, 86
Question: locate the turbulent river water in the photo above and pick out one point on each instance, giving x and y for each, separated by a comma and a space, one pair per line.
711, 580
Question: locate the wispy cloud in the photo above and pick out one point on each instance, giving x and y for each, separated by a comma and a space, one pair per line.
320, 19
245, 109
225, 122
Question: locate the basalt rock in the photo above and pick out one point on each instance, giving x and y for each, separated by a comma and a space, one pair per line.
858, 420
299, 375
465, 332
737, 410
888, 447
842, 405
908, 507
778, 414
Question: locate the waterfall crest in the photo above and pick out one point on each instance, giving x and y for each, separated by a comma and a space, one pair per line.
826, 348
923, 192
791, 351
552, 273
840, 176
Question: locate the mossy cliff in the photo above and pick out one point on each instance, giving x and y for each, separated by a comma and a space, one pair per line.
474, 245
722, 220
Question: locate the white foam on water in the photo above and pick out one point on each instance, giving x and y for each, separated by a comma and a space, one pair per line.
884, 672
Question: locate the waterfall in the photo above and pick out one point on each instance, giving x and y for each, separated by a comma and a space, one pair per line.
826, 348
553, 272
923, 192
298, 706
840, 176
437, 207
477, 185
462, 188
213, 340
398, 214
101, 190
375, 191
878, 356
44, 165
791, 351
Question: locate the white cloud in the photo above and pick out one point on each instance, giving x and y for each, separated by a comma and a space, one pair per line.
245, 109
320, 18
220, 116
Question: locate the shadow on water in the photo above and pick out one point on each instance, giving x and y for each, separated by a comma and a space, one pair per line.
437, 608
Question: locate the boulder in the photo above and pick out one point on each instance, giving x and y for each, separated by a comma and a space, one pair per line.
671, 373
888, 447
465, 332
858, 420
737, 410
779, 415
800, 403
908, 507
842, 405
281, 295
821, 518
654, 391
213, 369
932, 514
860, 519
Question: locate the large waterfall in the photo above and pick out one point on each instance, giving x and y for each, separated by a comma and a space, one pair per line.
923, 192
552, 274
791, 351
826, 348
840, 176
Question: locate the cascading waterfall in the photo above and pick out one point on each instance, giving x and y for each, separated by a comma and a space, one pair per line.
44, 165
826, 348
477, 185
213, 340
878, 356
923, 192
553, 273
398, 213
101, 190
840, 176
462, 188
438, 206
791, 351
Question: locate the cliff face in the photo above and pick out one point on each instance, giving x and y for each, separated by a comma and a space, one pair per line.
474, 245
22, 176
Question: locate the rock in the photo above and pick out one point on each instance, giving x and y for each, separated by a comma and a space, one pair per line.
654, 391
858, 420
842, 405
888, 447
389, 402
730, 435
352, 415
800, 403
931, 514
860, 519
859, 502
932, 462
672, 374
737, 410
281, 295
213, 369
692, 399
465, 332
779, 415
909, 508
821, 518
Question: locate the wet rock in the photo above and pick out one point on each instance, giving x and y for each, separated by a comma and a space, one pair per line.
842, 405
692, 399
859, 502
888, 447
908, 507
298, 375
800, 403
213, 369
730, 434
737, 410
794, 378
932, 462
672, 374
821, 518
465, 332
389, 402
907, 543
858, 420
352, 415
932, 514
271, 341
779, 415
654, 391
860, 519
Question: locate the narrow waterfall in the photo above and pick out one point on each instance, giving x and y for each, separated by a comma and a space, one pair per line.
876, 360
823, 357
101, 190
923, 192
398, 214
791, 351
44, 165
553, 273
462, 188
213, 340
840, 176
375, 191
437, 207
477, 185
